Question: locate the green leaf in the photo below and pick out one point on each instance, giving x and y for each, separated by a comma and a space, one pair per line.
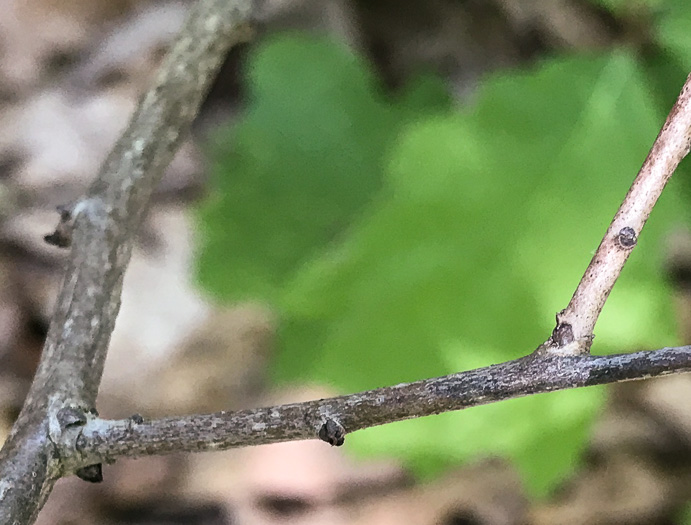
400, 240
304, 158
617, 6
685, 518
484, 227
671, 29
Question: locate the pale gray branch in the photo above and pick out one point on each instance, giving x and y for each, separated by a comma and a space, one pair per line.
56, 433
574, 331
330, 419
100, 228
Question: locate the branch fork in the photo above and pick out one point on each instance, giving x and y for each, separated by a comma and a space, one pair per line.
573, 334
53, 437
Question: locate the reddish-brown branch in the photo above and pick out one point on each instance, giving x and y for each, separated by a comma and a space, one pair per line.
575, 324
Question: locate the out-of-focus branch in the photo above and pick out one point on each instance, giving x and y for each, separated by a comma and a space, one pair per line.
100, 228
573, 334
330, 419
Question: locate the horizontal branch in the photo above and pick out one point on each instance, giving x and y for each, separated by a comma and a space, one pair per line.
329, 419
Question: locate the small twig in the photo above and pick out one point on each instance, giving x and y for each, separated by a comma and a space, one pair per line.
329, 419
573, 334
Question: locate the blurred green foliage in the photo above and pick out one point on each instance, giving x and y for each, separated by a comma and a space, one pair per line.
672, 29
306, 158
685, 518
617, 6
402, 238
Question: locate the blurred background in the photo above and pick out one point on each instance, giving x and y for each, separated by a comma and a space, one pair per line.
374, 192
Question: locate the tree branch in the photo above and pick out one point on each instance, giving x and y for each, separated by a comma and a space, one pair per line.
100, 228
574, 331
58, 433
329, 419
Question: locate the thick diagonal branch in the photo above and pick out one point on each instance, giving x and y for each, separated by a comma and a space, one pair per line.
329, 419
43, 445
106, 219
100, 228
574, 331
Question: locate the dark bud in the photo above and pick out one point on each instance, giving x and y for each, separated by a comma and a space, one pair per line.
58, 238
627, 237
562, 335
91, 473
332, 432
137, 419
71, 417
62, 236
65, 213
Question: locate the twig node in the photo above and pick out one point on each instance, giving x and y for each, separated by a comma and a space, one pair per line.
332, 432
91, 473
71, 417
627, 237
62, 236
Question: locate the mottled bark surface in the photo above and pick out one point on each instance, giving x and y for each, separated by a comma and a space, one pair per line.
100, 227
58, 431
